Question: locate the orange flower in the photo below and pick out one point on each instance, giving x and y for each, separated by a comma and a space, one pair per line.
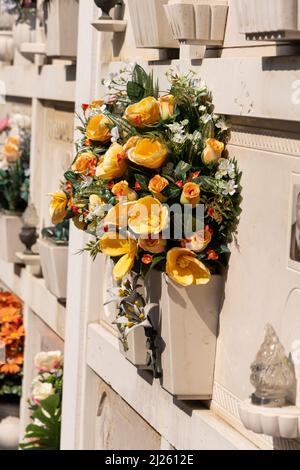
156, 186
155, 245
147, 259
12, 366
190, 194
212, 255
85, 161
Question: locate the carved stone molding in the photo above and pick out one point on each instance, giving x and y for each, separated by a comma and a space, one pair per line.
266, 140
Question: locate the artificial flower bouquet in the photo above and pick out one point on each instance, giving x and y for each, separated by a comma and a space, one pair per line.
12, 336
45, 403
142, 153
14, 165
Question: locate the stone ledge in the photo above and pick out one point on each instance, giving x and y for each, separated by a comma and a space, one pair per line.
184, 427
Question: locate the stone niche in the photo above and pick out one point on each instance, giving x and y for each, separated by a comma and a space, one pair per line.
118, 426
53, 145
263, 284
43, 339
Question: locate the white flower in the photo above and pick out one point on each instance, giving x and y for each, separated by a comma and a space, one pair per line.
47, 361
115, 135
41, 391
226, 168
228, 187
87, 181
103, 108
20, 121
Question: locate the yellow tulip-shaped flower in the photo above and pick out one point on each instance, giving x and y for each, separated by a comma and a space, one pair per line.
97, 128
148, 217
144, 113
213, 151
190, 194
58, 207
112, 245
166, 104
184, 268
83, 162
113, 164
149, 153
122, 191
11, 149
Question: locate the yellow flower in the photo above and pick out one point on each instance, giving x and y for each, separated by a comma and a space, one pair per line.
156, 186
213, 151
96, 104
83, 162
118, 215
190, 194
122, 191
198, 242
113, 165
155, 245
149, 153
144, 113
11, 149
131, 143
58, 207
96, 201
148, 217
166, 105
184, 268
112, 245
97, 128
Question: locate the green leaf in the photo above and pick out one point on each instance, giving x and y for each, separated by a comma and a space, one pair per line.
208, 130
182, 169
71, 177
142, 180
172, 191
224, 249
135, 92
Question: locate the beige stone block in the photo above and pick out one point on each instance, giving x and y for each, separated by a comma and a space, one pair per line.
54, 263
10, 227
119, 427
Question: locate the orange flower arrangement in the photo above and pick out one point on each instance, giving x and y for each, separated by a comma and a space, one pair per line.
12, 335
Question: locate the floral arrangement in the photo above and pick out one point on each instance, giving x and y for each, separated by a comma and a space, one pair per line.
12, 336
45, 403
14, 164
143, 152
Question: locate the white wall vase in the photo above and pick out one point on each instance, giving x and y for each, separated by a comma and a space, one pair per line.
54, 264
150, 25
139, 339
10, 227
62, 28
6, 47
189, 328
7, 20
269, 19
197, 23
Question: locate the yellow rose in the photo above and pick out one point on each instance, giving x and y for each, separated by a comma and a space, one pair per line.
184, 268
149, 153
113, 165
156, 186
144, 113
148, 217
83, 162
118, 215
213, 151
11, 149
122, 191
112, 245
131, 143
166, 105
58, 207
198, 242
155, 245
190, 194
97, 128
